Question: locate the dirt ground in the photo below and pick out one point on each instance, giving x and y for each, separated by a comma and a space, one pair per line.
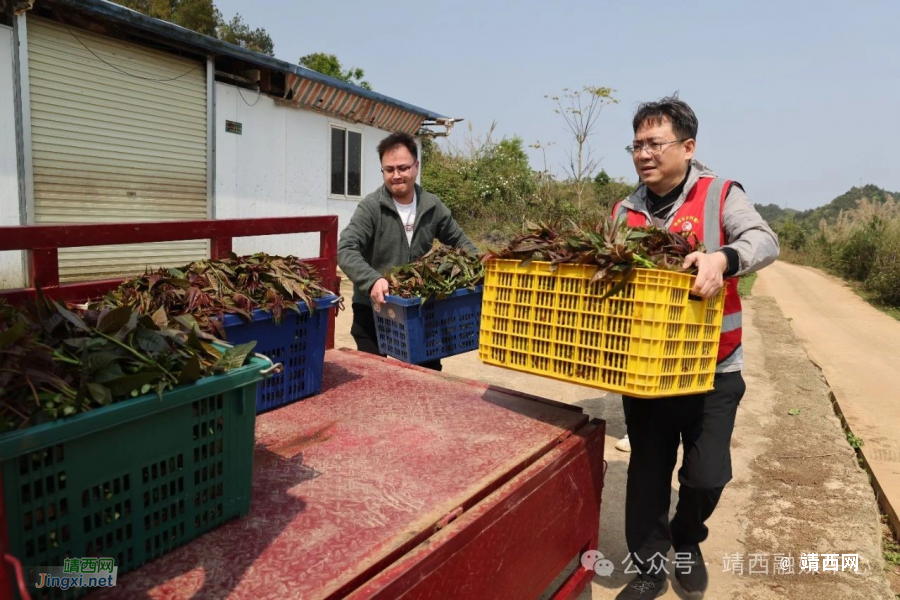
798, 488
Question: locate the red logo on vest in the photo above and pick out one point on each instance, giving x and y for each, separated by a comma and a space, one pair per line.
685, 223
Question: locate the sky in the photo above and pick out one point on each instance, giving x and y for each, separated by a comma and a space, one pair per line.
797, 100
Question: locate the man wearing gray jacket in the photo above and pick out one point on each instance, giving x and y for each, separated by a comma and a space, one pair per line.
679, 193
392, 226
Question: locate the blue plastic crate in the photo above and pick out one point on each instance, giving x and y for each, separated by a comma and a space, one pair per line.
298, 343
415, 331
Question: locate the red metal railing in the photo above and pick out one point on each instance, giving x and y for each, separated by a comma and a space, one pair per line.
43, 243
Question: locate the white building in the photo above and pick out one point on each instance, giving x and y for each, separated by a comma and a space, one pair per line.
107, 115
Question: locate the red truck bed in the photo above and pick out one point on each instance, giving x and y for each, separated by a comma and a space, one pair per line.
394, 482
401, 482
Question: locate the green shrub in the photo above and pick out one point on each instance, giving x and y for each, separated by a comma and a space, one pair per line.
883, 280
792, 235
855, 254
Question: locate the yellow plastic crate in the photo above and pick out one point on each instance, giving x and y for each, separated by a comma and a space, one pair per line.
649, 340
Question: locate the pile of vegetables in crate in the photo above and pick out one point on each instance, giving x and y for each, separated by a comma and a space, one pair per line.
614, 247
150, 334
579, 328
435, 309
56, 363
205, 291
439, 273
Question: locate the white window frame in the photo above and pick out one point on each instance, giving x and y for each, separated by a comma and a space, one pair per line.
362, 163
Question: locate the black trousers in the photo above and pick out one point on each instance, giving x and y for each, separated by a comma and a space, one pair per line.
703, 424
366, 337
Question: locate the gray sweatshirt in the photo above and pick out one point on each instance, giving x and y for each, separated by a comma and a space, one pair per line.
745, 231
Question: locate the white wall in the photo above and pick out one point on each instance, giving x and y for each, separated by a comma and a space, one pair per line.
279, 166
11, 268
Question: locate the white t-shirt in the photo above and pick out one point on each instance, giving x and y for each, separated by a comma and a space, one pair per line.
407, 216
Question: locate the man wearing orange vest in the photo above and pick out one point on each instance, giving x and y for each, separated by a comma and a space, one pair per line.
681, 194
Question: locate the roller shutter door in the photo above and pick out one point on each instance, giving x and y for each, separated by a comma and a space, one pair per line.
108, 146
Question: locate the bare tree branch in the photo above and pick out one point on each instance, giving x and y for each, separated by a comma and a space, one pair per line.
580, 110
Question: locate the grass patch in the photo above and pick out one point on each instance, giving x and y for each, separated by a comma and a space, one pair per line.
745, 285
890, 546
855, 442
891, 311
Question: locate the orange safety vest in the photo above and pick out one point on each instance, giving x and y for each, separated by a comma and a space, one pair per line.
705, 220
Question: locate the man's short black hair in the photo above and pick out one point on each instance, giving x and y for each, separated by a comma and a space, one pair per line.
398, 139
684, 121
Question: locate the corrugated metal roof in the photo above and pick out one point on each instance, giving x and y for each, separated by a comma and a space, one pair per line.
310, 88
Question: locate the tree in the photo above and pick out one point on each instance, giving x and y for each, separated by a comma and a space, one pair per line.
484, 182
503, 178
545, 181
203, 17
602, 179
580, 109
239, 33
445, 176
329, 64
158, 9
608, 191
792, 234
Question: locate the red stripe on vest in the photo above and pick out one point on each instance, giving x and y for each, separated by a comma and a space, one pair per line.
689, 218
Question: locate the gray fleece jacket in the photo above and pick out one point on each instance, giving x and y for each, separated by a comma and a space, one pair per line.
375, 241
745, 231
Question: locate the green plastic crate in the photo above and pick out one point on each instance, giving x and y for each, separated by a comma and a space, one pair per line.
133, 480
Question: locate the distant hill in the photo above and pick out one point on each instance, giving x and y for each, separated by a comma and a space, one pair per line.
775, 215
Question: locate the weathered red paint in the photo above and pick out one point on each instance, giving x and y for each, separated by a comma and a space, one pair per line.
219, 248
352, 490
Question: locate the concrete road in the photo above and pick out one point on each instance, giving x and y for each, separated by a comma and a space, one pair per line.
858, 349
